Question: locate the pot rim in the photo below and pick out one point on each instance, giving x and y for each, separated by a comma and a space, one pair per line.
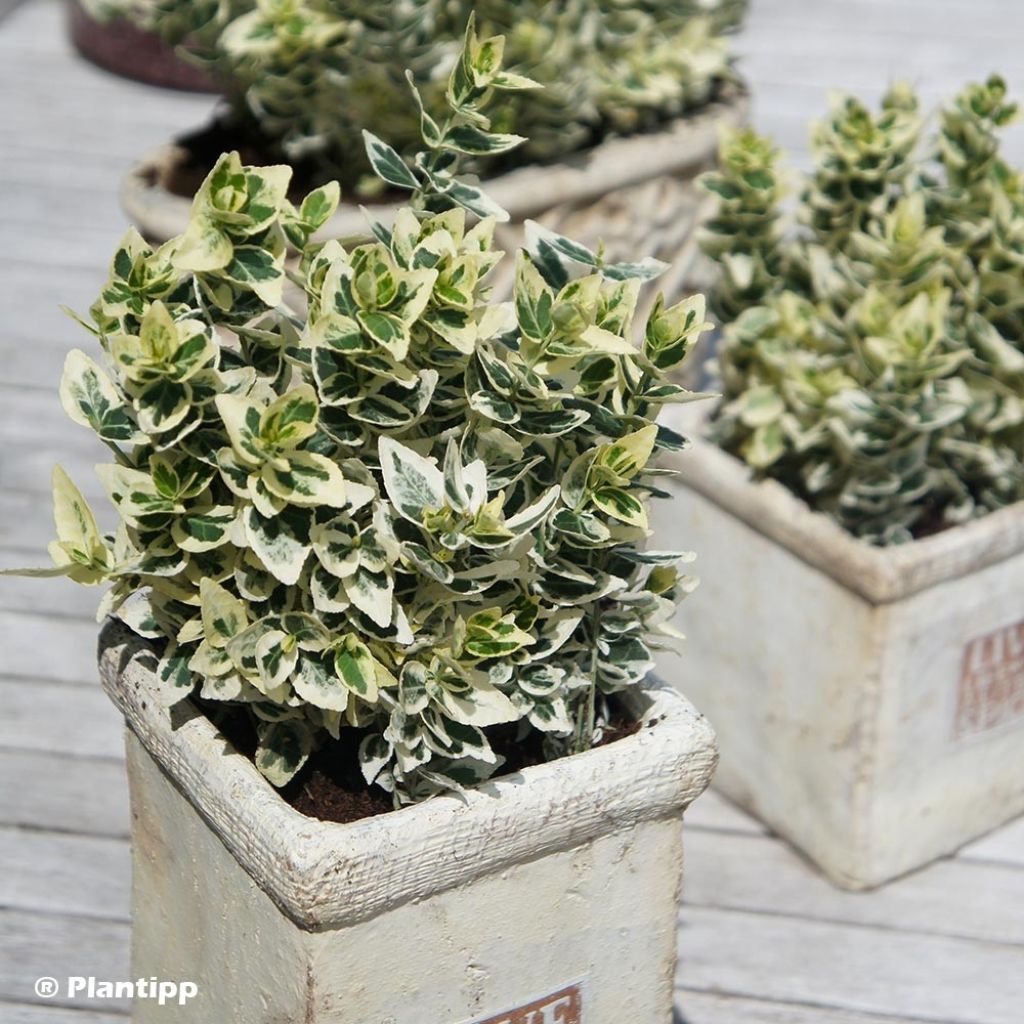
881, 575
686, 144
329, 875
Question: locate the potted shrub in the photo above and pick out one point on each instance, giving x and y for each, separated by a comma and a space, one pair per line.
117, 44
379, 556
863, 473
633, 101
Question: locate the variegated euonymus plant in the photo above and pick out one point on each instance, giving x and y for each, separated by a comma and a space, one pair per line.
305, 75
358, 500
873, 355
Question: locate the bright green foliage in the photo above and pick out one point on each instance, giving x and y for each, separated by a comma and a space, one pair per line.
874, 362
308, 74
360, 500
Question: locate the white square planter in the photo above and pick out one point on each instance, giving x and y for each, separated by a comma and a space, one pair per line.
548, 897
868, 702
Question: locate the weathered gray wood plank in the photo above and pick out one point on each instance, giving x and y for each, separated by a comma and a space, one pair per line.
58, 597
48, 790
46, 649
953, 897
35, 295
56, 873
26, 527
45, 945
1004, 846
14, 1013
713, 811
704, 1008
26, 364
785, 959
77, 720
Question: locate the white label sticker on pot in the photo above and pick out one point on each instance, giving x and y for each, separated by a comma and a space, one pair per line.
562, 1007
991, 690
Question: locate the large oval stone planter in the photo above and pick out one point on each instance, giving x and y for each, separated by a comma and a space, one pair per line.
555, 888
120, 47
869, 702
636, 194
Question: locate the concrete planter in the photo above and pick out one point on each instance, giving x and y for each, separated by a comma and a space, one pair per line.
635, 194
869, 703
552, 892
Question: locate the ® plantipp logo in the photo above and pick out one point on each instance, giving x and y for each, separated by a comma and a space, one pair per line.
161, 992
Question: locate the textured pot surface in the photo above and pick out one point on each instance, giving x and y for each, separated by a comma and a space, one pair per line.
557, 884
869, 703
636, 194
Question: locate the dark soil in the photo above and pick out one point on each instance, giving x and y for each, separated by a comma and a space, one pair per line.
201, 149
331, 786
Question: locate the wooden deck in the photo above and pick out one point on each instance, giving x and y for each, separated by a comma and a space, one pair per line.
763, 939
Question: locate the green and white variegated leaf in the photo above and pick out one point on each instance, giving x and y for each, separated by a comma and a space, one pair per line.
230, 687
476, 201
355, 668
176, 678
414, 484
258, 269
374, 755
224, 615
372, 593
135, 494
241, 419
204, 529
550, 715
305, 478
533, 515
280, 542
482, 706
289, 420
622, 505
79, 547
387, 164
317, 682
276, 656
90, 399
284, 747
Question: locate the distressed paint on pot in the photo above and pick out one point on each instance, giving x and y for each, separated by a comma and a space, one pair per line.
636, 193
869, 702
450, 911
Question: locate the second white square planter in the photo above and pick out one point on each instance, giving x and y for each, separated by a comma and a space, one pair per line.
869, 702
547, 897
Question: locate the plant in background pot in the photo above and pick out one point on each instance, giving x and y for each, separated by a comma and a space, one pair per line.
119, 45
632, 101
869, 449
376, 521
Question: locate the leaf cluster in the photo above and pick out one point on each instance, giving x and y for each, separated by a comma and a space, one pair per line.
359, 500
873, 353
307, 75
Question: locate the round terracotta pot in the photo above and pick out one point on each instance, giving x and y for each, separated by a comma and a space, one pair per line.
124, 49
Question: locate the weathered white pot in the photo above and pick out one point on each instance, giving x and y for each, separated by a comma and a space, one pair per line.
869, 702
556, 887
635, 194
